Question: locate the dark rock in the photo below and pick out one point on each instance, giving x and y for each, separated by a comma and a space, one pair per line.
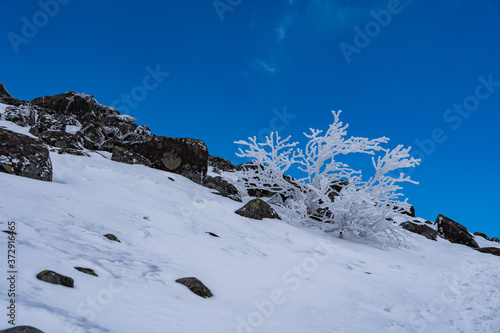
454, 232
112, 237
101, 127
212, 234
83, 106
70, 151
24, 156
196, 286
171, 179
492, 250
7, 98
88, 271
21, 329
187, 157
125, 156
420, 229
55, 278
258, 209
482, 235
61, 139
219, 164
221, 185
52, 122
411, 212
495, 239
22, 115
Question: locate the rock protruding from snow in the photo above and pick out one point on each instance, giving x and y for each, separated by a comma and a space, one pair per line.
112, 237
88, 271
21, 329
196, 286
482, 235
258, 209
454, 232
61, 139
184, 156
123, 155
24, 156
495, 239
492, 250
223, 187
219, 164
420, 229
55, 278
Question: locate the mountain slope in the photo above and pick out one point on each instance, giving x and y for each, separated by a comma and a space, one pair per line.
266, 276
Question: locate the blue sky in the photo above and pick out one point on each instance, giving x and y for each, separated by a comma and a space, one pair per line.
424, 73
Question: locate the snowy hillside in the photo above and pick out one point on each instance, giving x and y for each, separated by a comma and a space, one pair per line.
266, 276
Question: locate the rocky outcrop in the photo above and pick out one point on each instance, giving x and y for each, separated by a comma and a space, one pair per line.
60, 139
123, 155
196, 286
420, 229
223, 187
482, 235
21, 329
55, 278
24, 156
495, 239
187, 157
7, 98
219, 164
258, 209
454, 232
491, 250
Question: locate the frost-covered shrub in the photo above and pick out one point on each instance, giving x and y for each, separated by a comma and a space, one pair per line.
330, 190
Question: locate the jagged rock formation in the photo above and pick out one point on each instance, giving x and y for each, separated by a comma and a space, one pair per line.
76, 121
454, 232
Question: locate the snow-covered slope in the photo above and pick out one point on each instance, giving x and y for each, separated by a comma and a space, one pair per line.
266, 276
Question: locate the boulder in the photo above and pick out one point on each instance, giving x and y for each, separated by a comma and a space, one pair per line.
492, 250
187, 157
223, 187
112, 237
482, 235
88, 271
123, 155
219, 164
495, 239
454, 232
196, 286
24, 156
61, 139
55, 278
420, 229
257, 209
21, 329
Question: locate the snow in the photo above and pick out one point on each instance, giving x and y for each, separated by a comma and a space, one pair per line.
266, 276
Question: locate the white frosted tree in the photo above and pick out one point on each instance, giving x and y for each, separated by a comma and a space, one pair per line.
330, 190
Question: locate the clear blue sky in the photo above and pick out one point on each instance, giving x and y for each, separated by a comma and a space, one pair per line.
402, 73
